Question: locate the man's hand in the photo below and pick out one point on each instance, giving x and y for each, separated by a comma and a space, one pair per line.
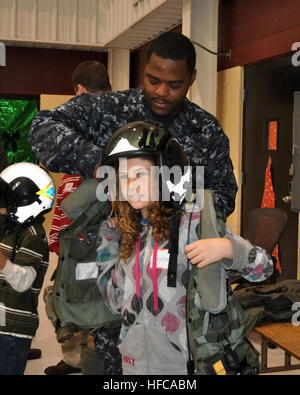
206, 251
96, 170
112, 222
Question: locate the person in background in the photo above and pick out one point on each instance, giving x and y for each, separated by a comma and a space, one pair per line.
34, 353
89, 76
27, 192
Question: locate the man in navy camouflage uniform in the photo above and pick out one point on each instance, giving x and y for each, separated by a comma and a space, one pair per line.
71, 138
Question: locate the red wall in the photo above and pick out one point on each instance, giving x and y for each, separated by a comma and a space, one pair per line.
257, 30
35, 71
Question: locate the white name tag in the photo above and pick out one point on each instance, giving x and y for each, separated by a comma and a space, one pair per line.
87, 270
162, 261
68, 187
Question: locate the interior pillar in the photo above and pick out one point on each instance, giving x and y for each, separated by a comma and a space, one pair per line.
200, 24
119, 68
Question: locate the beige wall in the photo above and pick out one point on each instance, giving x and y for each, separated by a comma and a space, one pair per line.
46, 103
230, 114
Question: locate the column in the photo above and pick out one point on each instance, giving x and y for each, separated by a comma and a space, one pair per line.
200, 23
119, 68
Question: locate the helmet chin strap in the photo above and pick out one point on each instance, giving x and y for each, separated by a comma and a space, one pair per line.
19, 234
180, 190
173, 246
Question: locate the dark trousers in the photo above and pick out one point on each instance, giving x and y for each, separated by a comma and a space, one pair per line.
106, 340
13, 354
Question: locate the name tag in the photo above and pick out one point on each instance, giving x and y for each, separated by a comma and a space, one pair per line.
84, 271
162, 260
68, 187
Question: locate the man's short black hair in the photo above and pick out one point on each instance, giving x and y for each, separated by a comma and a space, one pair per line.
175, 46
92, 75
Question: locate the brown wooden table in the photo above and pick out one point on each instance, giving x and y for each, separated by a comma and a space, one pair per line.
285, 336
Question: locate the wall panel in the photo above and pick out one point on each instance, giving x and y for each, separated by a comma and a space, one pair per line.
67, 21
256, 30
7, 18
47, 20
40, 70
26, 19
76, 23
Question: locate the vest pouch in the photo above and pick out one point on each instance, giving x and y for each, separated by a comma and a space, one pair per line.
49, 305
65, 334
212, 298
82, 291
249, 358
77, 300
78, 243
79, 282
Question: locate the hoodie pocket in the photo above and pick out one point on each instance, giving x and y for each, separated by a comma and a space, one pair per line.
148, 350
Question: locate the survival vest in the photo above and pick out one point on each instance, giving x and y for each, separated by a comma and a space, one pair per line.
74, 302
215, 320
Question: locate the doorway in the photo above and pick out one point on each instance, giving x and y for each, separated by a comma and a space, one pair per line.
269, 93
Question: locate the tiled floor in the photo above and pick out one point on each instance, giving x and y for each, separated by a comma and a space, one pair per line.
51, 352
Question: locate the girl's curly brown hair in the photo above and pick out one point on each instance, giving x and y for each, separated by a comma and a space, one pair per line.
130, 222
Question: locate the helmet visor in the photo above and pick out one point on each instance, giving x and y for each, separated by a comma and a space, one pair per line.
139, 139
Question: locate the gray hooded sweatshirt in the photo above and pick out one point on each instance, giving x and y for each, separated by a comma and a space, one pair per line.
153, 337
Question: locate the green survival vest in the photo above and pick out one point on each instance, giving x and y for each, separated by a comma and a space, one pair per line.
215, 320
74, 302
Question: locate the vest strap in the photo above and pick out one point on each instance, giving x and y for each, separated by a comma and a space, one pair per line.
211, 280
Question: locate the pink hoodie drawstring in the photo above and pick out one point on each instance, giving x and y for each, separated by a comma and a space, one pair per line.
154, 277
137, 272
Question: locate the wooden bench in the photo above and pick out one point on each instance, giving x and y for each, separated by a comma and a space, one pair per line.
285, 336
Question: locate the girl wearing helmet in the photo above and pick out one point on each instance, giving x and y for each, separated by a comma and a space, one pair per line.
26, 193
135, 257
